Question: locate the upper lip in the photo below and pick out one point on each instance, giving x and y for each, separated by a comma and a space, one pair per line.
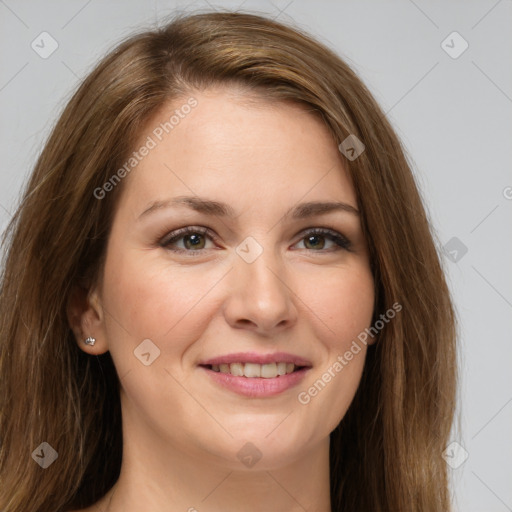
253, 357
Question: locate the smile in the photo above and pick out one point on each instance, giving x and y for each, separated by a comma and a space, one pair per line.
256, 375
252, 370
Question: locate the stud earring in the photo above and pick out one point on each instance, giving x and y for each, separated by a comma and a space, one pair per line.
90, 341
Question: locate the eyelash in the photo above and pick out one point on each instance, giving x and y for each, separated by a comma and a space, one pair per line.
341, 241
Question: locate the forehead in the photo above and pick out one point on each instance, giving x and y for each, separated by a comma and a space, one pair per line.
238, 148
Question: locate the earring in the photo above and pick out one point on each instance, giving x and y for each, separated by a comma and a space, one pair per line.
90, 341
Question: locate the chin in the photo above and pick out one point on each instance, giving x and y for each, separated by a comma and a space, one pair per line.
259, 446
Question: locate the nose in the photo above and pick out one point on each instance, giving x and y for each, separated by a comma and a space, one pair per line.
259, 296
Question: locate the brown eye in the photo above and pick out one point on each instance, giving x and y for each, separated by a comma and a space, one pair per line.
315, 240
193, 239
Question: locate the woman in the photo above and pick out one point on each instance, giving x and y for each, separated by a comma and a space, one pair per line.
220, 290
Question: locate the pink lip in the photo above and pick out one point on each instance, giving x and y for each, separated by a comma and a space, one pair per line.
253, 357
256, 387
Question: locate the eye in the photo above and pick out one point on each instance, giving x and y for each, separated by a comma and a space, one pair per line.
194, 239
315, 240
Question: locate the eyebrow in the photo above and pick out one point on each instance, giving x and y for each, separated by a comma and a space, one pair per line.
216, 208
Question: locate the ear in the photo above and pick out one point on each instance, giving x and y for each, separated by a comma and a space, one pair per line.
86, 319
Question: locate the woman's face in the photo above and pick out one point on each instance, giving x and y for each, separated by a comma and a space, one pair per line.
249, 283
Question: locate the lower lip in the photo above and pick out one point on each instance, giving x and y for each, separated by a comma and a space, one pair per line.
256, 387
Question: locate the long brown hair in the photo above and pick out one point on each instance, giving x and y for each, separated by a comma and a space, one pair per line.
385, 455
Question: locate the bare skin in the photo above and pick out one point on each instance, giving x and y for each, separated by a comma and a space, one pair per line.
304, 295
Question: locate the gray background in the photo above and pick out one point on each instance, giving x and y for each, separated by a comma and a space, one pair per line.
453, 115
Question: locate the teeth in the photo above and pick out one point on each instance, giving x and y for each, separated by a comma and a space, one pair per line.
269, 371
251, 370
237, 369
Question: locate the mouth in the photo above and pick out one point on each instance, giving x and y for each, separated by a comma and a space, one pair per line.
255, 370
255, 375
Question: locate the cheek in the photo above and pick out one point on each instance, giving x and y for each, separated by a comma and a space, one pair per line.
149, 298
343, 310
343, 300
